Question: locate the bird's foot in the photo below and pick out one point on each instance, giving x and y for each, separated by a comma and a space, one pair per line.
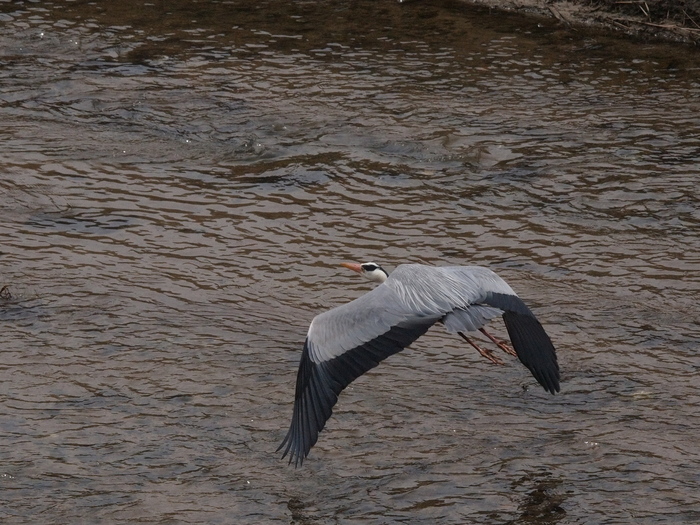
486, 353
498, 342
489, 355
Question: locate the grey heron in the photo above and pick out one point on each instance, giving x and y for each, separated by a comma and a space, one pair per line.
347, 341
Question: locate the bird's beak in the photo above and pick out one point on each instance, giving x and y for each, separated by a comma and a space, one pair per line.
354, 267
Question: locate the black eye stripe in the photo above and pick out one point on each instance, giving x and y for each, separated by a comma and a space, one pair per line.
373, 267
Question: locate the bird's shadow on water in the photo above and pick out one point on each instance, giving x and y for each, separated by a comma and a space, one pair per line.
299, 512
542, 501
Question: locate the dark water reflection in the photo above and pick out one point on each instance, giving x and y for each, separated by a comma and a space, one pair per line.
181, 179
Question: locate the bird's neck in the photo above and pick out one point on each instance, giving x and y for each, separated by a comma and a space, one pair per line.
377, 276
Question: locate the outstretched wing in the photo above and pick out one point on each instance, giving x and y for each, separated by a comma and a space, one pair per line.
487, 294
476, 294
318, 384
532, 344
342, 344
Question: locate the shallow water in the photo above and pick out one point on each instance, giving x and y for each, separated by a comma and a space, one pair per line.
180, 182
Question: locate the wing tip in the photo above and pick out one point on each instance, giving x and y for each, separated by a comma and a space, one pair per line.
534, 348
294, 448
553, 387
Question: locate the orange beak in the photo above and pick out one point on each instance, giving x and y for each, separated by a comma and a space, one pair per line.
354, 267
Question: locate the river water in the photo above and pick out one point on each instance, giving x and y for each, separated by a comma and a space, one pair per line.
180, 181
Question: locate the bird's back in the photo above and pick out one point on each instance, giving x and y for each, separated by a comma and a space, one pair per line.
444, 288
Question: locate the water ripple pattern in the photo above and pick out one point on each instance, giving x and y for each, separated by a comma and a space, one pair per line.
180, 183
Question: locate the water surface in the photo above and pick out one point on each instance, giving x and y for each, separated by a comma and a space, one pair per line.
180, 182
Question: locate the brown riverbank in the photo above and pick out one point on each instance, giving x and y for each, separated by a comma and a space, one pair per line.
668, 20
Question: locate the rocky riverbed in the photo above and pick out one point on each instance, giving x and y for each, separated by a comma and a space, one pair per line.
650, 19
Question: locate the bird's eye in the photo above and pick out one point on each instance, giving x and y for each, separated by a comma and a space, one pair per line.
369, 267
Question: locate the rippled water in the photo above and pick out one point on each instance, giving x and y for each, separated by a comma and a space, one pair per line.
180, 181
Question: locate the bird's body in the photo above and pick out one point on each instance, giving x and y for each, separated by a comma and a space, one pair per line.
347, 341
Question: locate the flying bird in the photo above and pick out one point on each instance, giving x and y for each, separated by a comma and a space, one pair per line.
347, 341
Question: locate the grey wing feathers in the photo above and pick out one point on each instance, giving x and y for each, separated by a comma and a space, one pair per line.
470, 319
318, 384
350, 325
470, 296
342, 344
486, 293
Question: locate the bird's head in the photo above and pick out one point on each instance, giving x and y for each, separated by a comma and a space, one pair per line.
371, 270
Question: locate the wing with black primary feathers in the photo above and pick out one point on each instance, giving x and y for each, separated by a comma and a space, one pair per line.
318, 384
532, 344
347, 341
